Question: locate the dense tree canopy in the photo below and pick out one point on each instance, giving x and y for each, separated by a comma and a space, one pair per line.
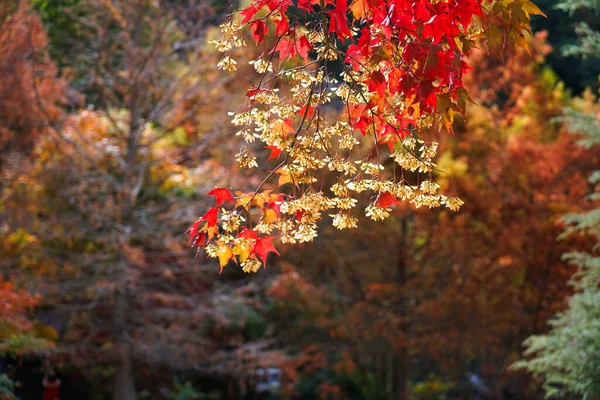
444, 294
568, 357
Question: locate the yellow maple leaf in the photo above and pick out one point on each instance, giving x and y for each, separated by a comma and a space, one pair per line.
270, 216
243, 252
224, 255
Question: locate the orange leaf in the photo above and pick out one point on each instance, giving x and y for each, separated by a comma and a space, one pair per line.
283, 127
270, 216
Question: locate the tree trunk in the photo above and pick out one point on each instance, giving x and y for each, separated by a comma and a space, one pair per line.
400, 364
124, 385
124, 388
400, 375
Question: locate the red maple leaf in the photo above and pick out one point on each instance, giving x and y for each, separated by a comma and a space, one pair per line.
421, 11
286, 48
275, 152
465, 10
307, 110
275, 203
303, 46
252, 92
193, 230
258, 31
247, 234
248, 13
427, 95
222, 195
200, 239
377, 83
307, 4
210, 217
263, 247
358, 53
282, 25
386, 199
339, 20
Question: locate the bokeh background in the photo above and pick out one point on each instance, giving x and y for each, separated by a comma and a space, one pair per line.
113, 126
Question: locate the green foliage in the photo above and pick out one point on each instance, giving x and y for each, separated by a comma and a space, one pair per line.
242, 318
568, 357
6, 388
61, 18
433, 388
568, 24
183, 391
585, 125
21, 343
571, 6
588, 43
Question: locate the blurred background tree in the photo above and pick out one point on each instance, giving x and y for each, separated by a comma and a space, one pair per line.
94, 211
568, 357
566, 22
455, 294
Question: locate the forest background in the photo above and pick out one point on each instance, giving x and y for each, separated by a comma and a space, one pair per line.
113, 126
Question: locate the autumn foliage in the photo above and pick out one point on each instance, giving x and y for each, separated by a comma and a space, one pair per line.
384, 115
442, 294
14, 304
30, 89
403, 66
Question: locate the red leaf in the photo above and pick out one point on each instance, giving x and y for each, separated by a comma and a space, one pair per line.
465, 10
421, 11
248, 13
286, 49
282, 25
288, 46
210, 217
222, 195
253, 91
307, 110
427, 95
307, 5
386, 199
339, 21
193, 230
377, 83
275, 152
263, 247
362, 50
200, 239
303, 46
247, 234
275, 203
258, 31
